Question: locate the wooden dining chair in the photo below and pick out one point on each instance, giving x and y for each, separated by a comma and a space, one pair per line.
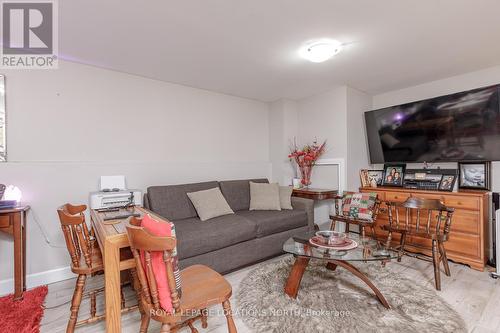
86, 260
342, 213
202, 287
426, 219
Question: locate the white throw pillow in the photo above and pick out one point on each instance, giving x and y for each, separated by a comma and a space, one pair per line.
210, 203
264, 196
286, 197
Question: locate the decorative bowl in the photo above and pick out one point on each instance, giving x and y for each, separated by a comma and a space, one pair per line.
332, 237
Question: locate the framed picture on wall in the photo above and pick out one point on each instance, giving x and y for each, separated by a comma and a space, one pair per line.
474, 175
394, 174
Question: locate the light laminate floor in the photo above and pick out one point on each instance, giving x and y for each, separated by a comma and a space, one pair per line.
473, 294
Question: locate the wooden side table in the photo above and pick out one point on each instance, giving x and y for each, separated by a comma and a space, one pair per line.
13, 222
316, 194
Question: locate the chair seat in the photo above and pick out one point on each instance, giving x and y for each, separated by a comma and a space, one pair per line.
202, 287
96, 259
348, 219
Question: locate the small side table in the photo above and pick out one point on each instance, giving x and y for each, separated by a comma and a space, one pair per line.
316, 194
13, 222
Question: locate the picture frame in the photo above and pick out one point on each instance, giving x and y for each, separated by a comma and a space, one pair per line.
375, 177
394, 175
363, 175
447, 183
474, 175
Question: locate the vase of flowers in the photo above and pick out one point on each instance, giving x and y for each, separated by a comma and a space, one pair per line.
306, 158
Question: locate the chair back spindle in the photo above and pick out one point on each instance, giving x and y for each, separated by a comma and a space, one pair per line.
435, 232
433, 210
79, 242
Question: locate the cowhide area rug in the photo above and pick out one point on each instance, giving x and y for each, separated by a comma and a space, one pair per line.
337, 301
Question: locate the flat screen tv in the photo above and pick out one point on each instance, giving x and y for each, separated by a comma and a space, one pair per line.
459, 127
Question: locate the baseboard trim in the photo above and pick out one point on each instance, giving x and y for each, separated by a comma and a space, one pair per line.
38, 279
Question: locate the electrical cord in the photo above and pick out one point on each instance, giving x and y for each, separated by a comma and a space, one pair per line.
49, 242
44, 233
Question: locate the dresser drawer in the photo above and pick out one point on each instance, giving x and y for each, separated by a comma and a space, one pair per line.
380, 195
4, 221
465, 221
430, 196
462, 202
396, 196
468, 245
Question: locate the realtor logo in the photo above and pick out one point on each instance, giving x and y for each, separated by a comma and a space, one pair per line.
29, 34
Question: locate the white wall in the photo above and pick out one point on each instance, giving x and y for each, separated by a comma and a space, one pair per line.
337, 115
357, 146
477, 79
69, 126
283, 127
323, 116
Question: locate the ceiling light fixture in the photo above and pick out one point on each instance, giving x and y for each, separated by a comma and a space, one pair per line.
321, 50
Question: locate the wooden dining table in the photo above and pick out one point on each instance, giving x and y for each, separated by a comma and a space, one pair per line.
111, 235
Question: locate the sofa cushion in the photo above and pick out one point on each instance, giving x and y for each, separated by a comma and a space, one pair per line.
172, 202
196, 237
359, 205
264, 196
272, 221
286, 197
237, 192
209, 203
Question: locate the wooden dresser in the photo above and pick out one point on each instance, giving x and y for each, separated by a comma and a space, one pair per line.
469, 225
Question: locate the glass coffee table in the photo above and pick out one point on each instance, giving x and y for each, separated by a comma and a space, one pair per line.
368, 250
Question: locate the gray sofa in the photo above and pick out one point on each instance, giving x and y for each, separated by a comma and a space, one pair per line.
228, 242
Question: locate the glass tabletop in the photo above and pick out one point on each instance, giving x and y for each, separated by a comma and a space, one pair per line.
368, 249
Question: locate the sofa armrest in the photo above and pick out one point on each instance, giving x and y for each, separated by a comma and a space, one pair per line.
308, 206
146, 201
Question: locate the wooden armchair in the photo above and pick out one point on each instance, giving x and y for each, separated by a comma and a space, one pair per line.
436, 228
86, 259
362, 223
201, 286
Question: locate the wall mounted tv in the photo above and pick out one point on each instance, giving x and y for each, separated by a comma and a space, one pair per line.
459, 127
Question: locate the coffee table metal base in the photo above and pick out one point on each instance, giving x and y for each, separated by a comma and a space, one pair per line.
293, 282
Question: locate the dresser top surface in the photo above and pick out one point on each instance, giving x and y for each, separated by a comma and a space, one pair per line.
478, 193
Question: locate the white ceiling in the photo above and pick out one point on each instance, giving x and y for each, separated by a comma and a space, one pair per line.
249, 47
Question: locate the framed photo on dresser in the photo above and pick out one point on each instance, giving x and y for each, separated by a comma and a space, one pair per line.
375, 177
447, 183
394, 174
474, 175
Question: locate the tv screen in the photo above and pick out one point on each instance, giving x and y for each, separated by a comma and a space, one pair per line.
460, 127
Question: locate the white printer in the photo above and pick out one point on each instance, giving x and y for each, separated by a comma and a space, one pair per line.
101, 200
113, 194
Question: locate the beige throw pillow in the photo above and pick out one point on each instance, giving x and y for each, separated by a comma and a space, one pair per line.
286, 197
210, 203
264, 196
